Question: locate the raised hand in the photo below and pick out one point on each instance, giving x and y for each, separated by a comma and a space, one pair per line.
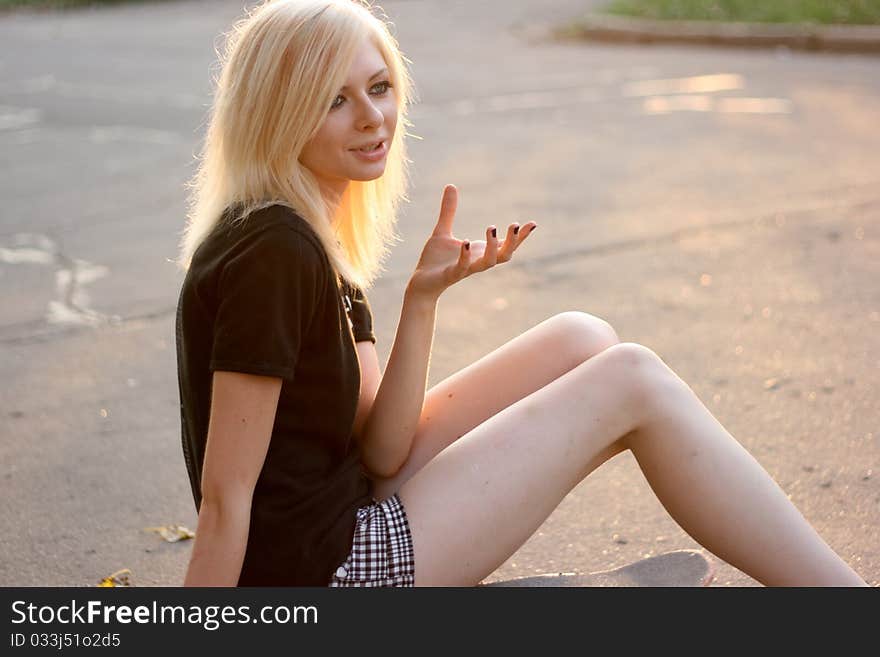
445, 260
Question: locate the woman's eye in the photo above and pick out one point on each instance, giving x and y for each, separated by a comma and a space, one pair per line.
385, 86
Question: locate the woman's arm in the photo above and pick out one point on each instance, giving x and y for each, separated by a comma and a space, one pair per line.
371, 377
243, 410
445, 260
391, 425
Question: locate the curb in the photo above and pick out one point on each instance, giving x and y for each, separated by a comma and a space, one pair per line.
801, 36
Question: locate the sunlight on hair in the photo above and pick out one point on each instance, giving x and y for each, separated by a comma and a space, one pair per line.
281, 67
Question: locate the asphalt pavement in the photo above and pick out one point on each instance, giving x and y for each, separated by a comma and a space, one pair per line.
718, 205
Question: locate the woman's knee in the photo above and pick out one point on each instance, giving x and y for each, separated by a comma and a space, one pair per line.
646, 377
583, 335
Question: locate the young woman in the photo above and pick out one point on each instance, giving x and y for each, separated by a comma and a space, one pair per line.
309, 466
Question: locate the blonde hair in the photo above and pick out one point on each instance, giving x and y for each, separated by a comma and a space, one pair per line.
282, 67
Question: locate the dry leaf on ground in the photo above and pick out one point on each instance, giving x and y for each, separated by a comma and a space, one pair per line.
172, 533
119, 578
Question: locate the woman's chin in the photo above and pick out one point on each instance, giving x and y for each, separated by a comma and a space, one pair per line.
365, 177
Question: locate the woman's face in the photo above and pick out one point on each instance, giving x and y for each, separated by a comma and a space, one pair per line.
363, 114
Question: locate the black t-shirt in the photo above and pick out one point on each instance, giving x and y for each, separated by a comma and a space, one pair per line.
262, 298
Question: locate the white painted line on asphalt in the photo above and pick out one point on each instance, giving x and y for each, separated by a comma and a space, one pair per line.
113, 133
754, 105
698, 84
72, 304
520, 101
567, 93
694, 87
13, 118
60, 313
702, 103
34, 240
25, 255
69, 286
664, 105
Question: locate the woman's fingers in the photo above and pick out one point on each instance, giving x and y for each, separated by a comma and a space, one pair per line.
464, 259
492, 251
448, 205
490, 257
516, 235
465, 256
510, 243
523, 233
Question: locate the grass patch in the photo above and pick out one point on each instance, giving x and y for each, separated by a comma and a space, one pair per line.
840, 12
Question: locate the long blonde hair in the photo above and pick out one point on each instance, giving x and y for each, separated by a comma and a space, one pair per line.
283, 65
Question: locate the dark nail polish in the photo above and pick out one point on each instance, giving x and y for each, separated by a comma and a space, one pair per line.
494, 232
533, 229
467, 246
515, 230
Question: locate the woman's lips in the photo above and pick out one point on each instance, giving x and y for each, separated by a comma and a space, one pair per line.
372, 156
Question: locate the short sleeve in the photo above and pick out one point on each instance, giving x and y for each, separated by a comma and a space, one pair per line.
361, 316
268, 293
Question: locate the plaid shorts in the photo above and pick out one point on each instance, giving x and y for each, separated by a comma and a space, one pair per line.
382, 550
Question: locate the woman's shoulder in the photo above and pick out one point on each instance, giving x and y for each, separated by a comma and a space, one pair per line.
270, 237
276, 225
277, 215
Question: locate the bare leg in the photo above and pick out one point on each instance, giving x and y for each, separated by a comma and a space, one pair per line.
725, 500
478, 500
502, 377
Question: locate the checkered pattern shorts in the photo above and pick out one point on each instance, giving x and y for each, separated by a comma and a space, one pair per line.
382, 550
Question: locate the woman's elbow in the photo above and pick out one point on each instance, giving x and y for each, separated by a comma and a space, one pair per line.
227, 499
382, 468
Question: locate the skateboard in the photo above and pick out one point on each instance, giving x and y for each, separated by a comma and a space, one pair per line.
678, 568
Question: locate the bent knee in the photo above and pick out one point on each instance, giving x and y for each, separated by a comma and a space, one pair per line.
633, 354
584, 335
641, 369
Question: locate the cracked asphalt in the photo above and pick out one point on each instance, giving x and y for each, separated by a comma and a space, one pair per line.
717, 205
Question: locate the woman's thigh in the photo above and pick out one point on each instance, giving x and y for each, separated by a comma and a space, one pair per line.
514, 370
480, 499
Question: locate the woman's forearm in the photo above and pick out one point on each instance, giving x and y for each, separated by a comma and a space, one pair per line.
394, 416
220, 543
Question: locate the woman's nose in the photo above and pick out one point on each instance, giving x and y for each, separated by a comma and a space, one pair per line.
369, 116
